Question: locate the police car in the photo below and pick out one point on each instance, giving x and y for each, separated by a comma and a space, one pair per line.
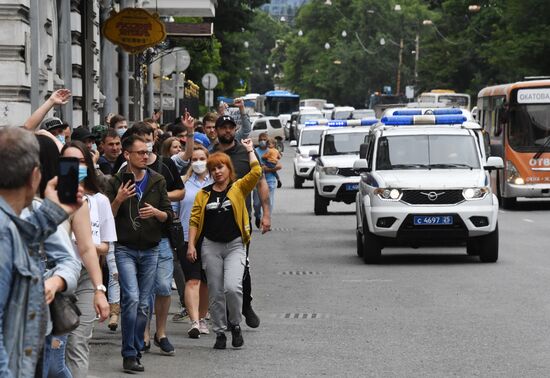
334, 178
425, 182
307, 143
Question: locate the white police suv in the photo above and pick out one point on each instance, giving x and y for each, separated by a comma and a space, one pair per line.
425, 182
334, 178
307, 143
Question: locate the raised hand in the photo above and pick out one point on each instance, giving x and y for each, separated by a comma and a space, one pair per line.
125, 191
60, 97
51, 193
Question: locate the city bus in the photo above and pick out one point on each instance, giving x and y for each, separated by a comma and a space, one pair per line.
274, 103
516, 122
446, 96
318, 103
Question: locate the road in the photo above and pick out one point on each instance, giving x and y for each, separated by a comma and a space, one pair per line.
429, 312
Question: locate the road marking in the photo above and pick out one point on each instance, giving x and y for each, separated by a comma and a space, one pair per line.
299, 315
528, 220
300, 273
367, 281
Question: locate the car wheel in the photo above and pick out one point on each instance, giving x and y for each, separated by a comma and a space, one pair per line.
488, 247
372, 248
298, 181
280, 145
359, 242
320, 204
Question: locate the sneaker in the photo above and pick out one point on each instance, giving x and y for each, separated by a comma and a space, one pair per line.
252, 320
203, 327
131, 365
221, 340
194, 332
279, 184
258, 222
182, 316
236, 337
146, 347
165, 347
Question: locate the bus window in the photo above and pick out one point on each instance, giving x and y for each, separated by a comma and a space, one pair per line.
529, 127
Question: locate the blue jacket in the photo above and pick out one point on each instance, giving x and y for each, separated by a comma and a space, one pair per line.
22, 302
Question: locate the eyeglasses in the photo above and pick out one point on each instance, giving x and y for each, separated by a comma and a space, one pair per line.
140, 153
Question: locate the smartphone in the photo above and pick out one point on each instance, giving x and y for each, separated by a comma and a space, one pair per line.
67, 182
128, 176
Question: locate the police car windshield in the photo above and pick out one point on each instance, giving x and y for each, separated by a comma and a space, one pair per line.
427, 152
344, 144
310, 137
309, 117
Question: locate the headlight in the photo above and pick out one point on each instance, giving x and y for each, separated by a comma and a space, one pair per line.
388, 194
512, 174
475, 193
330, 170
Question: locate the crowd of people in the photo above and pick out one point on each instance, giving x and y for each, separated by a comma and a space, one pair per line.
155, 205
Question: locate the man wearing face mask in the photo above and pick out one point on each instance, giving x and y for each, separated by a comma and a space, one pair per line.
119, 124
163, 281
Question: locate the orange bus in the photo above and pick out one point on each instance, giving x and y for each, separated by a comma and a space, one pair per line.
516, 121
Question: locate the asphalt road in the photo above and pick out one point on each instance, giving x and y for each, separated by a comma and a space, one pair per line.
429, 312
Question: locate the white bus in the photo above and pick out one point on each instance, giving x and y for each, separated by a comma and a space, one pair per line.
314, 102
447, 97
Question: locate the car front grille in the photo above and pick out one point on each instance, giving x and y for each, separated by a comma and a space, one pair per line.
347, 172
432, 197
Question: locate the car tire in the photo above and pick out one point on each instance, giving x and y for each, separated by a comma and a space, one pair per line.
472, 247
359, 241
280, 145
298, 181
372, 247
320, 204
488, 247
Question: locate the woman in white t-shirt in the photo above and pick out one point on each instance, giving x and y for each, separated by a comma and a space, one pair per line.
103, 232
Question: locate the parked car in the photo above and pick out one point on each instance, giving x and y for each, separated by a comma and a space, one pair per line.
362, 114
342, 112
270, 125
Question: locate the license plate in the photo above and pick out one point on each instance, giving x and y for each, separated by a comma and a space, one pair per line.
432, 220
350, 187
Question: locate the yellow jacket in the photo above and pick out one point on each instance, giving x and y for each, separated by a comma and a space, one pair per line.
236, 194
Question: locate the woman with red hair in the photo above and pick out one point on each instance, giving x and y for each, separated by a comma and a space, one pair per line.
220, 228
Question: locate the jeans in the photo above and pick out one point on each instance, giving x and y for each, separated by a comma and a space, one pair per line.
77, 354
136, 270
164, 274
114, 287
258, 203
54, 358
224, 266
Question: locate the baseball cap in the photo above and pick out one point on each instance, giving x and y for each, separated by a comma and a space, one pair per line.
82, 134
202, 139
51, 123
225, 119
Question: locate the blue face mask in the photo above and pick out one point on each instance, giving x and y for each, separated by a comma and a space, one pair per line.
82, 173
121, 131
262, 144
61, 138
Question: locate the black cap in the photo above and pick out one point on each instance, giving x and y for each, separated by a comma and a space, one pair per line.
82, 134
51, 123
225, 119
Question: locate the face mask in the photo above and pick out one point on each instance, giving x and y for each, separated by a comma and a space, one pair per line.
263, 144
61, 138
198, 166
149, 147
121, 132
82, 173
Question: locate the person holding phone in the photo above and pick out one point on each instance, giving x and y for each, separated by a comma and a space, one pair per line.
140, 209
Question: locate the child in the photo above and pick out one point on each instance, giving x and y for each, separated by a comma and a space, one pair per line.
271, 158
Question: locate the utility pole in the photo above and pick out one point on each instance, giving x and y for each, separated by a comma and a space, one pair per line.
398, 86
416, 58
124, 75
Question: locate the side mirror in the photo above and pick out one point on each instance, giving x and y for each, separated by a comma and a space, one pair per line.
312, 154
363, 150
360, 165
293, 143
494, 162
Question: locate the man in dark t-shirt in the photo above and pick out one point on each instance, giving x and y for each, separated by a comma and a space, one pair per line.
226, 130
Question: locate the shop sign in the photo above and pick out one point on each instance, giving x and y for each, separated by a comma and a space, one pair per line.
134, 29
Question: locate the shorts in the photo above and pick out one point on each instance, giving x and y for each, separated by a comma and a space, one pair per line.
165, 269
191, 270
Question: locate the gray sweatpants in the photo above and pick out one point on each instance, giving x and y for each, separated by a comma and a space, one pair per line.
224, 266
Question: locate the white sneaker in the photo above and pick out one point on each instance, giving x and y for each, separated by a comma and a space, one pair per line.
194, 331
203, 327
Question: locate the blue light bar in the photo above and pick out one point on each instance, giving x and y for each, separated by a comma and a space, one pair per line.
312, 123
337, 123
410, 120
449, 111
410, 112
368, 121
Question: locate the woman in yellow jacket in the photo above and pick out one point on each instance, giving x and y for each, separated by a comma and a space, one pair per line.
219, 226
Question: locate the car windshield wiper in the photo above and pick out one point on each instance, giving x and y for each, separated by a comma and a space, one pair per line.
542, 148
451, 165
410, 166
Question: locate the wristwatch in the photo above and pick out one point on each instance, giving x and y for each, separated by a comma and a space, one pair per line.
101, 288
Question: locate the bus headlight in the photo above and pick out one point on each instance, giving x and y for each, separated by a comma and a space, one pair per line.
475, 193
512, 174
388, 194
330, 170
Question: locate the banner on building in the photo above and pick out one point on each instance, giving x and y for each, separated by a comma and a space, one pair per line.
134, 29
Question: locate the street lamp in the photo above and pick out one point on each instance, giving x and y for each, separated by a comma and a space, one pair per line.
397, 8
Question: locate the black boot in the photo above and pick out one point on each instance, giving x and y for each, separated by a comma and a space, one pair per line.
221, 340
236, 337
131, 365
